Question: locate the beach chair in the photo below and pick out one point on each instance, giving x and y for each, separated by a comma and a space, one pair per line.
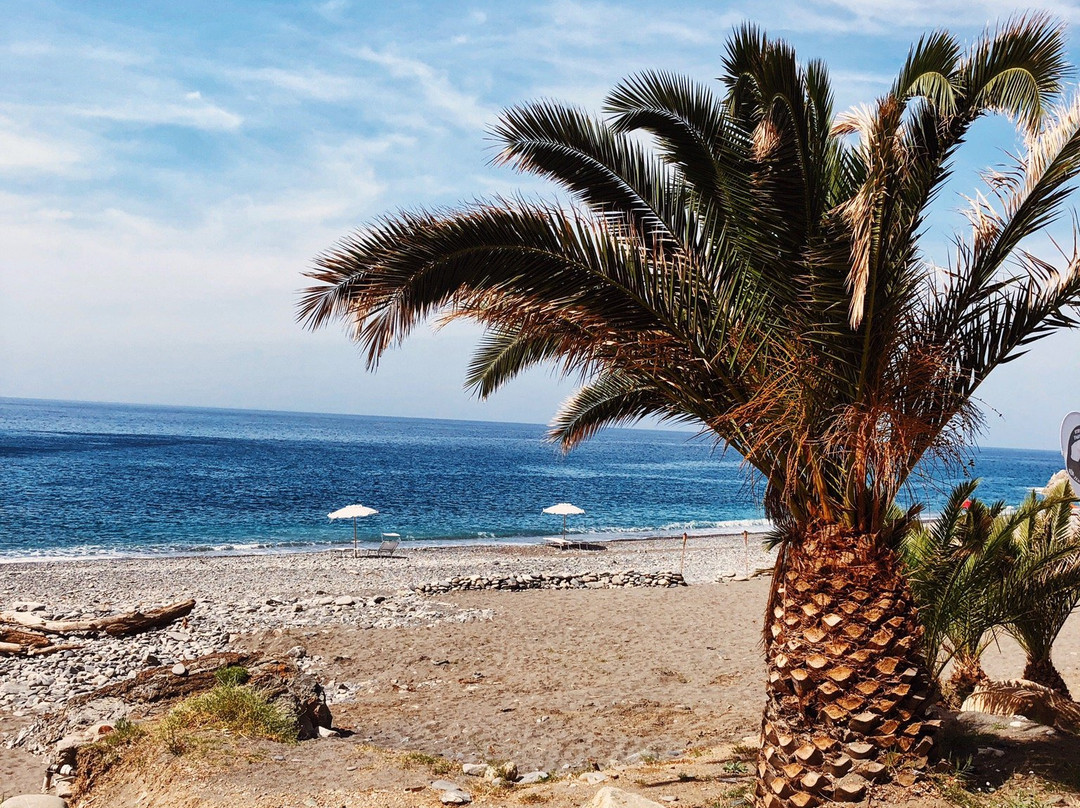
384, 550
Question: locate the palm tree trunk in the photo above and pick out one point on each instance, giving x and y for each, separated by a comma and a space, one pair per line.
848, 691
967, 675
1043, 672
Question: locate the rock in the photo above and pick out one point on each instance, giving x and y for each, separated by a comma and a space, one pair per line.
610, 797
344, 600
592, 778
534, 777
304, 698
445, 785
507, 770
326, 732
474, 769
297, 652
179, 669
455, 797
34, 801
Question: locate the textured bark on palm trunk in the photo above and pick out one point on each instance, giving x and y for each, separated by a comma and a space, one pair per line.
1043, 672
848, 691
967, 675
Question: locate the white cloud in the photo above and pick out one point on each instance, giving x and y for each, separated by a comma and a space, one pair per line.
435, 87
22, 150
308, 83
875, 16
195, 114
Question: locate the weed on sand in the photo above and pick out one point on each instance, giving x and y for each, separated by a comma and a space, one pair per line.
233, 708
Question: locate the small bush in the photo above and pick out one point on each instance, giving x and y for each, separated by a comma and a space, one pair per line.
744, 751
232, 708
735, 767
232, 675
434, 763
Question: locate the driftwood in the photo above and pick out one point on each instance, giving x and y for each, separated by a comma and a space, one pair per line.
26, 634
116, 625
18, 636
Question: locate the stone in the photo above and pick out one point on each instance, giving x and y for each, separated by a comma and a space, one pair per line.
445, 785
474, 769
507, 770
592, 778
179, 669
344, 600
34, 801
611, 797
534, 777
455, 797
326, 732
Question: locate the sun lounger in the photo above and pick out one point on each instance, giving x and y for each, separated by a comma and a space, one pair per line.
384, 550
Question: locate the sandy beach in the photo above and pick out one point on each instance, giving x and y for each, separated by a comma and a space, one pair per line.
555, 680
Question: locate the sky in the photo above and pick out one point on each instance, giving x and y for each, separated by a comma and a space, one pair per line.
169, 170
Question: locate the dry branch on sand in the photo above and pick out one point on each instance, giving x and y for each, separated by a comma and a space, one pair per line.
26, 634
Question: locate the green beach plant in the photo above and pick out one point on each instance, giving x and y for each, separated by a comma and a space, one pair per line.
977, 569
1043, 585
749, 262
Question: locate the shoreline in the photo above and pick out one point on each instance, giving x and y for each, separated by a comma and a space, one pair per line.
756, 528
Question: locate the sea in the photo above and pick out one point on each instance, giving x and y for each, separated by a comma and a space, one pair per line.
112, 480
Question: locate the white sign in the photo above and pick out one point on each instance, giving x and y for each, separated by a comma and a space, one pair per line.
1070, 446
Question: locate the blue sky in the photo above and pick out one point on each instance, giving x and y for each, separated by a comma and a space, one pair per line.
167, 171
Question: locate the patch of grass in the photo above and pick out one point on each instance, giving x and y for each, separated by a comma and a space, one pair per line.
736, 797
232, 675
95, 759
951, 789
672, 674
533, 798
433, 763
744, 751
232, 708
1022, 799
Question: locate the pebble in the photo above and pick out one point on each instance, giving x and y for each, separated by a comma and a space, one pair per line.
298, 592
179, 669
599, 580
455, 797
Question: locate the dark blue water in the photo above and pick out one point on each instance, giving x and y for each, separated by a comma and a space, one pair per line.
92, 479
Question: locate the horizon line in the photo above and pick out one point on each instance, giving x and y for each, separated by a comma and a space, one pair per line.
974, 446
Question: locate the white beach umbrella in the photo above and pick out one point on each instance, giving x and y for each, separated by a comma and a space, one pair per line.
353, 512
564, 509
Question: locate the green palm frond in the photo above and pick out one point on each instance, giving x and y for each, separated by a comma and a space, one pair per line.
740, 257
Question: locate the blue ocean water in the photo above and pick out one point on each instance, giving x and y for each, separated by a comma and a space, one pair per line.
80, 479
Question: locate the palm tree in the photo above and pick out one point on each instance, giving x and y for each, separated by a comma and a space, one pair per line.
1043, 585
747, 262
981, 567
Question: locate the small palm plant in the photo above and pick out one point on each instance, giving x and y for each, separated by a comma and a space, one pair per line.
983, 567
1043, 585
955, 567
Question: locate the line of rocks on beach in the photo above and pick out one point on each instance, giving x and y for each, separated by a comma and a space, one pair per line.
592, 580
